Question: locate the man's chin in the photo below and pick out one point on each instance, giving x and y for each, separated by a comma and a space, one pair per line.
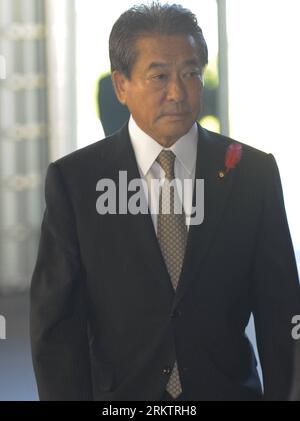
177, 129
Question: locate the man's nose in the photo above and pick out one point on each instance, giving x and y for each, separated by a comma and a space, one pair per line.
176, 90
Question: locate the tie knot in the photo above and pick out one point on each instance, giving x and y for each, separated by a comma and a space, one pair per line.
166, 160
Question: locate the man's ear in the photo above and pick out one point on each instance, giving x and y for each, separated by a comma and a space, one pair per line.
120, 84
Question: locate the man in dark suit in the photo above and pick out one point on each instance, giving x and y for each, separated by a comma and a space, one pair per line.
153, 305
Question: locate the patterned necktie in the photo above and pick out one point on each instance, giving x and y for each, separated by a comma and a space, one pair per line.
172, 237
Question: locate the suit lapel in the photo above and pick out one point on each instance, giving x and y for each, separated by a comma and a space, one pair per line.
139, 228
210, 160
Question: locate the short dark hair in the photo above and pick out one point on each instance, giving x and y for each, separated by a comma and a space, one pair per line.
156, 18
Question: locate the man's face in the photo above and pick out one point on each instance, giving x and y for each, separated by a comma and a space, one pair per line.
165, 89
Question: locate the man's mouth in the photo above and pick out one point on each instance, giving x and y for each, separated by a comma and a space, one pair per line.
178, 115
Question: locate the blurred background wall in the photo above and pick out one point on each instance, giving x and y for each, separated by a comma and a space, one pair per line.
24, 141
23, 160
54, 87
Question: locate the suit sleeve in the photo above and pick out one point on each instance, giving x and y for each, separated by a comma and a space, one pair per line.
58, 322
276, 290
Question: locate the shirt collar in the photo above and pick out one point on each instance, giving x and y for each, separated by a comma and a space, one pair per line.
147, 149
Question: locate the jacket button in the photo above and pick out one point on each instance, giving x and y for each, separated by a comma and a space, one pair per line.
167, 370
176, 313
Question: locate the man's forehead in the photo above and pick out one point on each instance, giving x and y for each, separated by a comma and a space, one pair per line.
165, 63
155, 38
163, 50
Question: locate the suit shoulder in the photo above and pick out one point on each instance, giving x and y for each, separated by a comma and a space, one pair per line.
82, 167
226, 141
88, 154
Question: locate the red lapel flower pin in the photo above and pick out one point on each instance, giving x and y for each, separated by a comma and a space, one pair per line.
232, 158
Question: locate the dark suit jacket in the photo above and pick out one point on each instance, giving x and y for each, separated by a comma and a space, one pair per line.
106, 323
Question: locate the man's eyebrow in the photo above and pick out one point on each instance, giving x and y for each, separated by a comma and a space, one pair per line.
192, 62
157, 65
160, 65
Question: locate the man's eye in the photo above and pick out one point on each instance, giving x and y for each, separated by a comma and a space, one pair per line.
160, 77
194, 73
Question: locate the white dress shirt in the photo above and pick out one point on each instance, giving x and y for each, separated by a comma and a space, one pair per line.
146, 151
